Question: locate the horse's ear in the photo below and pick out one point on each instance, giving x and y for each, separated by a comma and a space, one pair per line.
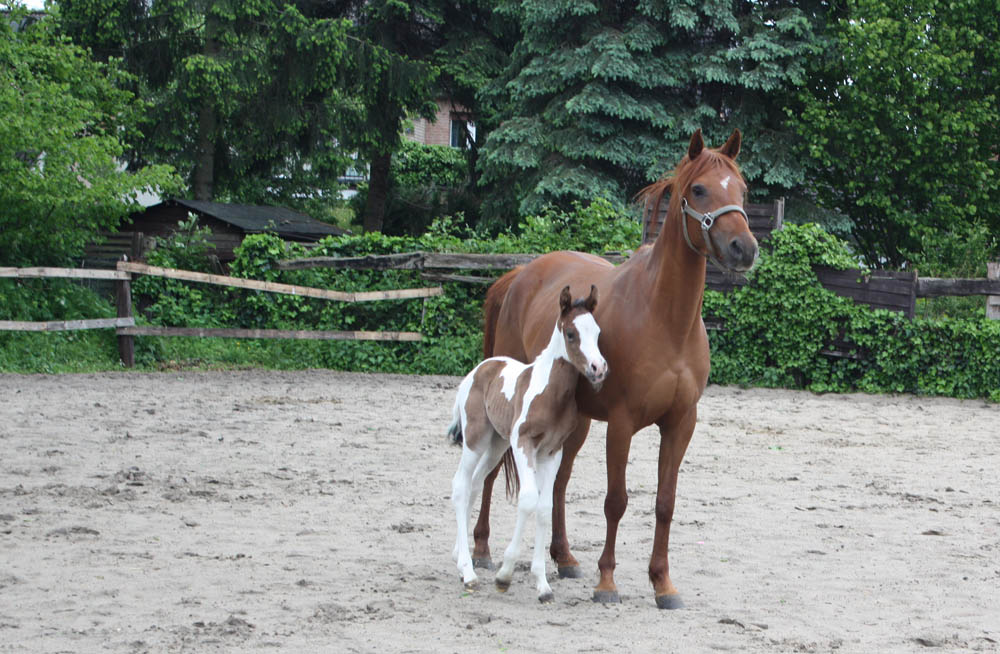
696, 146
591, 302
565, 301
732, 146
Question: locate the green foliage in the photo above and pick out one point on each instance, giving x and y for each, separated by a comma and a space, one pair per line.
900, 122
63, 131
601, 98
777, 327
56, 352
426, 181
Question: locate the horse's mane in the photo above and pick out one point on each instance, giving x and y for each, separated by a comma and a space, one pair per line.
686, 171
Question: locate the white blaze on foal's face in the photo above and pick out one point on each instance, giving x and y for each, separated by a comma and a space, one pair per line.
580, 334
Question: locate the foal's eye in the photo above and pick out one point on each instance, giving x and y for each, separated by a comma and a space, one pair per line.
571, 336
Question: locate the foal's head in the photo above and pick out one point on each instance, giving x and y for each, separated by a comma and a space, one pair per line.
579, 332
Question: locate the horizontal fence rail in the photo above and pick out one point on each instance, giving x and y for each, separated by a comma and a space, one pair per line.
126, 330
65, 325
316, 335
275, 287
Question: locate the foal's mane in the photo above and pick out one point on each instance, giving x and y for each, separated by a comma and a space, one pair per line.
682, 176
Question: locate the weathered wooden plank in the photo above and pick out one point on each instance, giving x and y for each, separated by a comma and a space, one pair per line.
65, 325
205, 332
275, 287
937, 287
993, 301
403, 261
422, 261
64, 273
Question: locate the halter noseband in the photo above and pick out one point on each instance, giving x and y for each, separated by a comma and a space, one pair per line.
706, 220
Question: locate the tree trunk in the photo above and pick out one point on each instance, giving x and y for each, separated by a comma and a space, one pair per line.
203, 177
378, 191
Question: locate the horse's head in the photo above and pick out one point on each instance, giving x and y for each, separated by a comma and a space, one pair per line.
711, 195
580, 331
707, 192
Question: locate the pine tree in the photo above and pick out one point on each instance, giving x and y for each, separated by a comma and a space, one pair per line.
601, 98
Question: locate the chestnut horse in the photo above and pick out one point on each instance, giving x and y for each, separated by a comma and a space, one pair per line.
530, 409
652, 336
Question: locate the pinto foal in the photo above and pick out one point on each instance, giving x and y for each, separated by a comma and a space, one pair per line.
530, 408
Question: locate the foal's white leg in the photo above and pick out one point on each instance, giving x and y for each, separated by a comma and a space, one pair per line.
527, 501
472, 469
547, 467
462, 491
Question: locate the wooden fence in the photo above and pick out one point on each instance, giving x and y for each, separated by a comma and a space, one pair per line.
126, 328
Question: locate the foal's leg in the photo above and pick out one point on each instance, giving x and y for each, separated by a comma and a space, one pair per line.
547, 467
462, 491
674, 439
566, 563
527, 501
472, 469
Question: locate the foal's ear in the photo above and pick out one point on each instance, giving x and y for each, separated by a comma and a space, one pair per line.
565, 301
732, 146
696, 146
591, 302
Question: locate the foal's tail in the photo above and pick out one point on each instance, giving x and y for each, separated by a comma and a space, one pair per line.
491, 316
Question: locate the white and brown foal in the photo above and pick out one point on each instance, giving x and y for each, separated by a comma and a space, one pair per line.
530, 408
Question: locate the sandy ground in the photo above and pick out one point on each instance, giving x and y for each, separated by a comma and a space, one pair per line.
309, 512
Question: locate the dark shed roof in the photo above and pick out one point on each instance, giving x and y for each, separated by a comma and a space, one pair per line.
257, 218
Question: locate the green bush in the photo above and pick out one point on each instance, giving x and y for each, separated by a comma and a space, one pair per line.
777, 327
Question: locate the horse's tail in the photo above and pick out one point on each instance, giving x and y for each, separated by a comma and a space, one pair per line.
513, 482
491, 309
455, 429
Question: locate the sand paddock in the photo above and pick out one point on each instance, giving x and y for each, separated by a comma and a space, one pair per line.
309, 511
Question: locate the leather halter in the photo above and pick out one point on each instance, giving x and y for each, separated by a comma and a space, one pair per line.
706, 220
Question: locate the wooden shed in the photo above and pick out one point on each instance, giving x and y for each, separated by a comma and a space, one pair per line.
229, 224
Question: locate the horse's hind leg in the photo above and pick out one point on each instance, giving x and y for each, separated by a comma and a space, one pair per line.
546, 473
481, 533
566, 563
461, 497
527, 502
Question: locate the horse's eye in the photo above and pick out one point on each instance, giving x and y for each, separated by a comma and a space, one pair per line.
699, 191
571, 336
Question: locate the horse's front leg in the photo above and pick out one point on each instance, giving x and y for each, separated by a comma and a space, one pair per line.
619, 441
674, 439
547, 466
566, 563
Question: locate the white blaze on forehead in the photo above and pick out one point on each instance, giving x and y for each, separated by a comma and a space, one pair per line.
589, 332
725, 182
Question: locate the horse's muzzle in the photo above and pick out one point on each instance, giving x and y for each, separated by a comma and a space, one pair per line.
597, 372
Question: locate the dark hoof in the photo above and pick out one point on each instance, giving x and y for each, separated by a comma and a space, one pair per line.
502, 586
485, 563
570, 572
607, 597
669, 602
546, 598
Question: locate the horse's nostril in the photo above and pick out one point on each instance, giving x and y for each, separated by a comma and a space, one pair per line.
736, 248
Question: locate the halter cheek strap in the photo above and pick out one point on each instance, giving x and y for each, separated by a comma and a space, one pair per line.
706, 220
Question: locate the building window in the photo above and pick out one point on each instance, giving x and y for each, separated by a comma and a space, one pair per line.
459, 129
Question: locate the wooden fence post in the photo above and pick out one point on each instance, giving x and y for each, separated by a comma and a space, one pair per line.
993, 301
123, 300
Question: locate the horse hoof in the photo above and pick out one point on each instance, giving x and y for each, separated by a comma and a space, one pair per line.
472, 586
570, 572
673, 601
607, 597
501, 585
546, 598
484, 563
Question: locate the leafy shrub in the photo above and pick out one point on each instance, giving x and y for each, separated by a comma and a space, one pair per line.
777, 327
